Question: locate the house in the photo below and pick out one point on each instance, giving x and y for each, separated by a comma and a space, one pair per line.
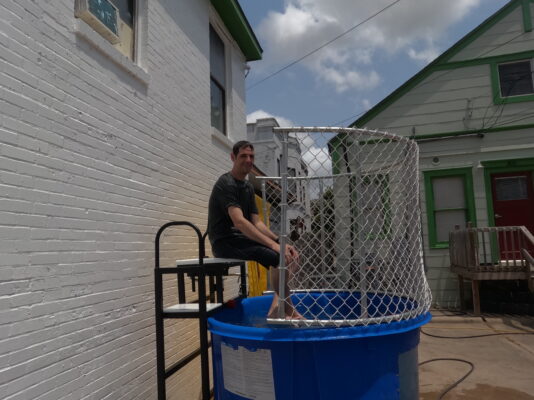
115, 120
471, 112
268, 150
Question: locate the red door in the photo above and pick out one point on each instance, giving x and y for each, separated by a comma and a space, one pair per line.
513, 205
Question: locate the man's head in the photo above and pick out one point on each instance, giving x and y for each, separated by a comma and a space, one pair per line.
243, 158
241, 145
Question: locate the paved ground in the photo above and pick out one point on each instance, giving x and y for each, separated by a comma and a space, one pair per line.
503, 364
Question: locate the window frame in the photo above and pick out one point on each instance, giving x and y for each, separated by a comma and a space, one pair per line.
498, 98
219, 85
137, 66
381, 181
470, 211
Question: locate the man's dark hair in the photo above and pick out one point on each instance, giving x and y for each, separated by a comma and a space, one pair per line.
241, 145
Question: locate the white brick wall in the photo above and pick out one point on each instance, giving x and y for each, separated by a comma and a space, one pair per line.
93, 159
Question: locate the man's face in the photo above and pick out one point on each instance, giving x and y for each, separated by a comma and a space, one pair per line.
244, 160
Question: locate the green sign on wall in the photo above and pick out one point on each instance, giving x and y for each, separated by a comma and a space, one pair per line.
101, 15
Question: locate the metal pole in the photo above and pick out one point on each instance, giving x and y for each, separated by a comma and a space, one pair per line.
360, 239
160, 339
266, 222
283, 229
160, 336
321, 213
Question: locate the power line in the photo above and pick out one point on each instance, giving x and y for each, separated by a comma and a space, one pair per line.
352, 117
322, 46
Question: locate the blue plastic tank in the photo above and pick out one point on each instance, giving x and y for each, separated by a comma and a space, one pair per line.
256, 361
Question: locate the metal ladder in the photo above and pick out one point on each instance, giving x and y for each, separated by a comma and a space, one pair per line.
197, 269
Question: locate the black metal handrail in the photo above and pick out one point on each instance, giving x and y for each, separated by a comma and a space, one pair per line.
199, 269
203, 324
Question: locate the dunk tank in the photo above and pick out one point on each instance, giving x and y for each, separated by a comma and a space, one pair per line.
348, 200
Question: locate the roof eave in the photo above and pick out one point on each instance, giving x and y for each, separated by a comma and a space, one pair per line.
237, 24
442, 59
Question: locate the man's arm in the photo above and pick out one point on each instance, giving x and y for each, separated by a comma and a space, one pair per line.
250, 230
260, 225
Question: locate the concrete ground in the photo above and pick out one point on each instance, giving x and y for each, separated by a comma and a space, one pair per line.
503, 364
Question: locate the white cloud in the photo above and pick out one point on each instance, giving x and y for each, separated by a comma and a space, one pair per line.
426, 55
259, 114
347, 63
366, 103
318, 161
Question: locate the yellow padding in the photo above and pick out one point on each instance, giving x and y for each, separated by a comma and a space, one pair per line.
257, 274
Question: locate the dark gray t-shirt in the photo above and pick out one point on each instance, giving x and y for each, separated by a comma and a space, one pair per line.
227, 192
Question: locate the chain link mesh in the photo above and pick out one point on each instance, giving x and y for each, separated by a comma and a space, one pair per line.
352, 212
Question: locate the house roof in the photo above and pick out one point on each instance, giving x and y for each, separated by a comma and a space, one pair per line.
237, 24
446, 57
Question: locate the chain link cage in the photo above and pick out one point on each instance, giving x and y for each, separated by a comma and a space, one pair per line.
348, 200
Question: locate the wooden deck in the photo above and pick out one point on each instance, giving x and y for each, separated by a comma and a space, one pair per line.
493, 253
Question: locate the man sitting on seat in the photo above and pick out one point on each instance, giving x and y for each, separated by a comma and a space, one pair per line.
236, 231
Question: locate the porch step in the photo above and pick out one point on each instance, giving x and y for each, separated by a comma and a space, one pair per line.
188, 310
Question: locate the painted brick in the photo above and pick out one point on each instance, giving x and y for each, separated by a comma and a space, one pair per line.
92, 162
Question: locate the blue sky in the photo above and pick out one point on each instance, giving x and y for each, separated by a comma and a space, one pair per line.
346, 78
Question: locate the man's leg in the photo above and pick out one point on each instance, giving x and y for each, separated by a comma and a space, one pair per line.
290, 311
246, 249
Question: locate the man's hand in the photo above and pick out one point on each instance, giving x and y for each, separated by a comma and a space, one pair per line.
291, 255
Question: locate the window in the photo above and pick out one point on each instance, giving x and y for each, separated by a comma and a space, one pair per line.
511, 188
217, 82
114, 20
516, 78
449, 202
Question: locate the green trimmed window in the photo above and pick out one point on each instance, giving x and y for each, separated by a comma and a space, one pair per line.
374, 203
449, 202
513, 81
515, 78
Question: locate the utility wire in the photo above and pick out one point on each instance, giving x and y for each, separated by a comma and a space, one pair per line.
508, 121
352, 117
322, 46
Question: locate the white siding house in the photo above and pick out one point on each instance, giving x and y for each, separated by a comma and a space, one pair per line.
268, 155
471, 111
100, 145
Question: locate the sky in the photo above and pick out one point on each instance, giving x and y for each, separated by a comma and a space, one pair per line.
338, 83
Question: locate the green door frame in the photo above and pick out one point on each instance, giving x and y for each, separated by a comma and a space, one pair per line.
501, 166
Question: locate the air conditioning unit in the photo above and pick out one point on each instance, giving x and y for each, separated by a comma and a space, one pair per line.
101, 15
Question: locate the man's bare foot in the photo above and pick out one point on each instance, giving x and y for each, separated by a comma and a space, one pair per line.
294, 314
273, 311
291, 313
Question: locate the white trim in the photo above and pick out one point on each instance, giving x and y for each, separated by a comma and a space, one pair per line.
494, 149
217, 134
141, 33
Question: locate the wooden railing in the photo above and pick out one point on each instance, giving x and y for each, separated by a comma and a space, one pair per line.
493, 253
493, 249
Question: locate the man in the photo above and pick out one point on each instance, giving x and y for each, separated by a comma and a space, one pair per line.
235, 229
